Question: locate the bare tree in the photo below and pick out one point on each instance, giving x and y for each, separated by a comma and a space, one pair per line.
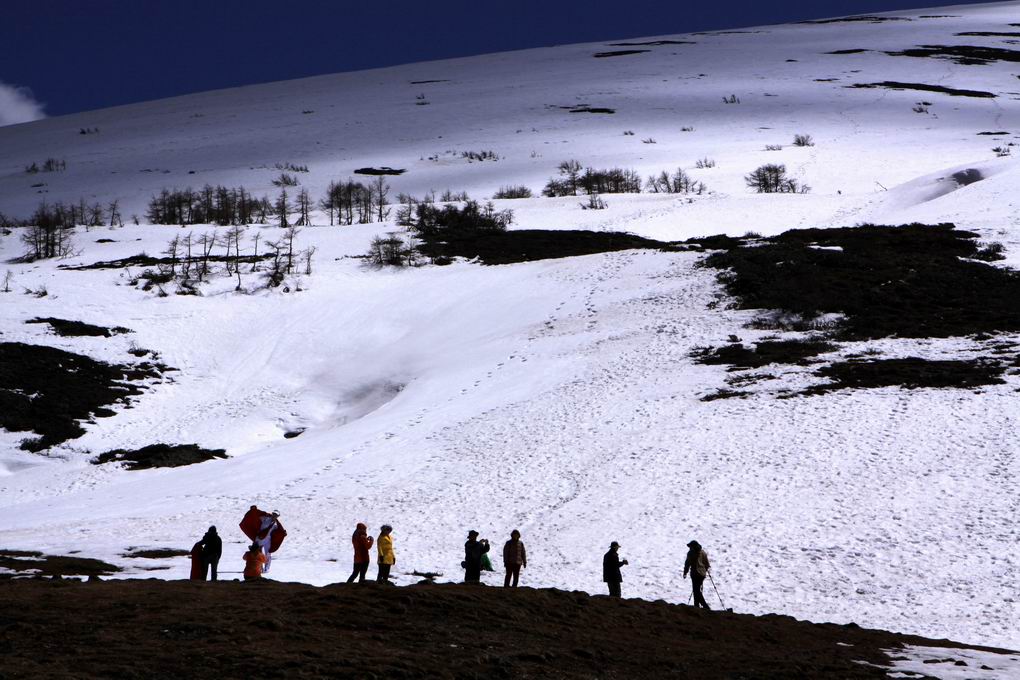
306, 255
113, 210
381, 190
304, 208
7, 281
282, 209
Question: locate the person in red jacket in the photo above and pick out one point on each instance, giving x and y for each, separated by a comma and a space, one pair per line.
362, 545
254, 561
197, 563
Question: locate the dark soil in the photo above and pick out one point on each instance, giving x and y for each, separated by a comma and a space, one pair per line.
143, 260
74, 329
526, 245
584, 108
158, 629
618, 53
380, 171
159, 456
861, 18
156, 553
952, 92
850, 51
31, 563
994, 134
908, 281
989, 34
968, 55
653, 43
911, 373
426, 82
47, 391
764, 353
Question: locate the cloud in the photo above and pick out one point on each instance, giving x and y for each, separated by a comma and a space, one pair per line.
17, 105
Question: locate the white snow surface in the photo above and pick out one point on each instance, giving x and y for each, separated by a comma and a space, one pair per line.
556, 397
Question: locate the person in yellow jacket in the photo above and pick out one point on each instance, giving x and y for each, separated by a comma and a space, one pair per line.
386, 556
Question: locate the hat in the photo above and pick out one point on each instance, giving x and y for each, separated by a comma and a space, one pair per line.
693, 544
515, 533
614, 544
361, 526
472, 533
386, 527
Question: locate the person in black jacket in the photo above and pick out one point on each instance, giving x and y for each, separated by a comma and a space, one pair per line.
212, 549
473, 551
611, 564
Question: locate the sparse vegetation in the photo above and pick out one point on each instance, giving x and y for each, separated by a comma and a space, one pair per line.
771, 178
285, 180
486, 155
704, 163
732, 99
49, 165
513, 191
679, 182
573, 180
803, 140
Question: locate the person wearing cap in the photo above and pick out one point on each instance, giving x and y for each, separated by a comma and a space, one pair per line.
212, 550
514, 557
254, 561
387, 558
473, 551
362, 545
697, 564
611, 564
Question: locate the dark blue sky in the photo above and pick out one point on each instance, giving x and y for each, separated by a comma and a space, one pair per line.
78, 55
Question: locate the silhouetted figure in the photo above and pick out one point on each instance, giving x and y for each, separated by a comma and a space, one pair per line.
697, 564
197, 563
473, 551
611, 564
514, 557
362, 545
266, 529
386, 556
254, 561
212, 550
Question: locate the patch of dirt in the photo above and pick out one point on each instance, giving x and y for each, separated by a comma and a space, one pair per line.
143, 260
850, 51
385, 170
264, 629
74, 329
922, 87
30, 563
159, 456
618, 53
47, 391
584, 108
739, 356
526, 245
967, 55
860, 18
653, 43
989, 34
155, 553
426, 82
910, 372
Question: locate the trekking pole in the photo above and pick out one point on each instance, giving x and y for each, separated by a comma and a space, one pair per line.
716, 590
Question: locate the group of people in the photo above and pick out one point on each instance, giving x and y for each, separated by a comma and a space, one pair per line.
267, 534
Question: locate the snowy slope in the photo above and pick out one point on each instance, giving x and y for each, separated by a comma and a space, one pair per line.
556, 397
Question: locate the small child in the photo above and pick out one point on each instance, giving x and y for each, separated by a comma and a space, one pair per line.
254, 561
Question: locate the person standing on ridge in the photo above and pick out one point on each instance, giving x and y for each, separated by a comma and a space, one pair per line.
473, 551
697, 564
514, 558
386, 557
611, 564
254, 561
362, 545
265, 529
212, 550
197, 563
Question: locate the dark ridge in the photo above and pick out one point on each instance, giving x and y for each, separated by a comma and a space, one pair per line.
892, 85
725, 32
527, 245
739, 356
426, 82
584, 108
911, 373
74, 329
105, 240
994, 134
988, 34
939, 16
856, 50
380, 171
46, 390
724, 393
618, 53
652, 43
25, 563
155, 553
143, 260
913, 281
159, 456
967, 55
268, 629
864, 18
826, 80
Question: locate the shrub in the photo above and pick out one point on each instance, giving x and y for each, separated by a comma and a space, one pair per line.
773, 147
704, 163
991, 252
772, 179
803, 140
732, 99
290, 167
486, 155
628, 133
573, 180
432, 222
1001, 151
285, 180
677, 183
595, 202
649, 140
514, 191
390, 251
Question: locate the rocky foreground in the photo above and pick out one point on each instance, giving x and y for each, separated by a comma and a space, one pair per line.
159, 629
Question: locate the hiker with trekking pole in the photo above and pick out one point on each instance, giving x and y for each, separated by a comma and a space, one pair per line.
698, 566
